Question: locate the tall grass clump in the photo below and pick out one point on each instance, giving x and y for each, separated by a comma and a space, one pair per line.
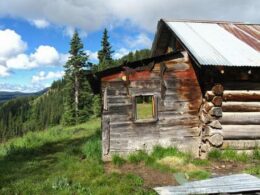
214, 154
138, 157
92, 148
199, 175
160, 152
256, 154
118, 160
228, 155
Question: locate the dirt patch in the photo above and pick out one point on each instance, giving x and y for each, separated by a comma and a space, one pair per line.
152, 178
222, 168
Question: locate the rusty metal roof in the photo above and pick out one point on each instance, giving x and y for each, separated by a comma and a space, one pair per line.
220, 43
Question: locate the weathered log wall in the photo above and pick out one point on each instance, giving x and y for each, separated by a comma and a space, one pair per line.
238, 118
175, 85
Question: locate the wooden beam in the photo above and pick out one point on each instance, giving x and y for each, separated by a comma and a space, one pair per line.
240, 118
241, 106
235, 132
242, 95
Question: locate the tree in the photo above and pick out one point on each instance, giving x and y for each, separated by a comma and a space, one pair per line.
105, 54
77, 89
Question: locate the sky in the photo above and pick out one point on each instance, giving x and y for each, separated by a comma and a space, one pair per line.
35, 35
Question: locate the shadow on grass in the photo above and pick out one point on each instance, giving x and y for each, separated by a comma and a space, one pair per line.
38, 163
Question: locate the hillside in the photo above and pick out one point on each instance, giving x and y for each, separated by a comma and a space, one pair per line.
68, 161
61, 161
6, 95
23, 114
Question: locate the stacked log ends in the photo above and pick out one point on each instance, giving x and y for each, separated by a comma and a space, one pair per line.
218, 89
210, 114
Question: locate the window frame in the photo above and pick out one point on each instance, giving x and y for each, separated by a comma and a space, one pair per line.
155, 109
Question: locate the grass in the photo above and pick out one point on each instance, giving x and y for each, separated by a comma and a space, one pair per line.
144, 110
68, 161
198, 175
232, 155
254, 170
117, 160
61, 161
171, 160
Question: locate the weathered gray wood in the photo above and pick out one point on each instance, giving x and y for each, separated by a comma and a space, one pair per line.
215, 124
105, 135
240, 118
216, 139
209, 131
241, 106
227, 184
216, 111
241, 95
235, 132
241, 144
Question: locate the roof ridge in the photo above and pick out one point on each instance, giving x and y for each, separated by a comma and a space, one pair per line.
208, 21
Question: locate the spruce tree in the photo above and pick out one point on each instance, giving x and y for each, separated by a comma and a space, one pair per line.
105, 54
77, 91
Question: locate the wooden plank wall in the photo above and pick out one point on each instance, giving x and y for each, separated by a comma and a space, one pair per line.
179, 99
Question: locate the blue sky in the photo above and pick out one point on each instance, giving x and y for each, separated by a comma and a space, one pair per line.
35, 35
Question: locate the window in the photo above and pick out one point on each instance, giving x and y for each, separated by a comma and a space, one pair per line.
145, 108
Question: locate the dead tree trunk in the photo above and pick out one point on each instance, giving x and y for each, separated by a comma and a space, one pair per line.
76, 94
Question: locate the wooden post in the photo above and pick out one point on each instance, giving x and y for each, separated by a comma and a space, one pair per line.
105, 135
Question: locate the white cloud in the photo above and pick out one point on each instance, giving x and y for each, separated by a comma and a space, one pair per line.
91, 15
13, 56
46, 55
140, 41
23, 88
11, 44
43, 76
21, 61
40, 23
120, 53
93, 56
69, 31
4, 71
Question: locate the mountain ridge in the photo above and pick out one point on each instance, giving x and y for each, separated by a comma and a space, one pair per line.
8, 95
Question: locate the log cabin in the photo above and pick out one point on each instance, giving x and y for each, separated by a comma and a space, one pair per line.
199, 90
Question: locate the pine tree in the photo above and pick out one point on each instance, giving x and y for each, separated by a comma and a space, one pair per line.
105, 54
77, 89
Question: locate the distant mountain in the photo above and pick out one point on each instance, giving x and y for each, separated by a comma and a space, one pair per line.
6, 95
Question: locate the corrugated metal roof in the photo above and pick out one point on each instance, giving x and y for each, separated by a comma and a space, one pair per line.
220, 44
